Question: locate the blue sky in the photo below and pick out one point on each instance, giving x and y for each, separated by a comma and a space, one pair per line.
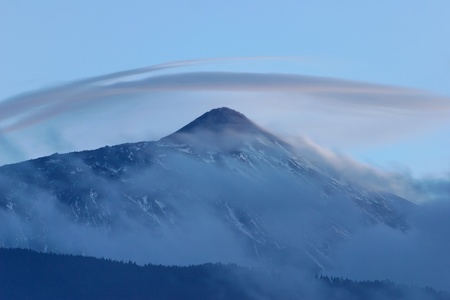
390, 43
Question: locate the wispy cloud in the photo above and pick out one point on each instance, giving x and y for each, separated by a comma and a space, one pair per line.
34, 107
289, 104
398, 182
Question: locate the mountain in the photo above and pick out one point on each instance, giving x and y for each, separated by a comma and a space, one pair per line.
220, 189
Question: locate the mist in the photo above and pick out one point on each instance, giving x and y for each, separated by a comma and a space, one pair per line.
418, 256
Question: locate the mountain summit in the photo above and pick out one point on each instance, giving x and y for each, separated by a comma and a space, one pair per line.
219, 125
218, 120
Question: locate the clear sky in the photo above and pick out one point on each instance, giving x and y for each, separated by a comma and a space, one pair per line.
400, 43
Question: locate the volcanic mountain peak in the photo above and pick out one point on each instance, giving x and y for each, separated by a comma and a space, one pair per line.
222, 129
221, 165
217, 126
219, 119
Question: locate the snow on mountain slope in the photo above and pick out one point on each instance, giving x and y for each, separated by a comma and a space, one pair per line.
220, 189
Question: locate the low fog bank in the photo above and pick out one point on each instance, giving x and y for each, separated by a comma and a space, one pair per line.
418, 256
